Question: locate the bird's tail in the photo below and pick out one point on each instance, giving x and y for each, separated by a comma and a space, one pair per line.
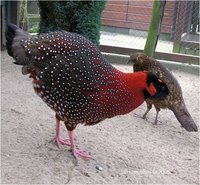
13, 37
185, 119
10, 35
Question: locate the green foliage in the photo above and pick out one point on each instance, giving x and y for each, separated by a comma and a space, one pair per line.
34, 23
81, 17
23, 21
34, 28
34, 18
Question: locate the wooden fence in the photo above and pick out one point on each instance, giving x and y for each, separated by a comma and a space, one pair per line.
135, 15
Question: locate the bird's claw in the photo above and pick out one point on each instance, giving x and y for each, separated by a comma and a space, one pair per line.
81, 153
60, 141
155, 122
144, 117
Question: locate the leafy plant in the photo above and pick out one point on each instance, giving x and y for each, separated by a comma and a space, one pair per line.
81, 17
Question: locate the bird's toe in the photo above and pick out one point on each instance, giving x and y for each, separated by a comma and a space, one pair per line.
58, 141
81, 153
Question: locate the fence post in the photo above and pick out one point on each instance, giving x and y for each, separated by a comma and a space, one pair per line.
154, 28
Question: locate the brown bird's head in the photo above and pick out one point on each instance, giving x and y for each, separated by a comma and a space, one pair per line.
156, 88
140, 62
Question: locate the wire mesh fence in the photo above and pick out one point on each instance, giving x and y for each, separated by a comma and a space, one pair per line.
125, 24
186, 34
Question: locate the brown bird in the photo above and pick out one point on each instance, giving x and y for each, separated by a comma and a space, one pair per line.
174, 101
72, 77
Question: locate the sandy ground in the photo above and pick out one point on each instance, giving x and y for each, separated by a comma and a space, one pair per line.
129, 149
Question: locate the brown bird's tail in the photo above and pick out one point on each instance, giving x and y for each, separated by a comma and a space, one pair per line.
184, 117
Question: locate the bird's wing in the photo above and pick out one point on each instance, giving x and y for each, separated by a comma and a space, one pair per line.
69, 56
60, 53
68, 75
165, 75
142, 62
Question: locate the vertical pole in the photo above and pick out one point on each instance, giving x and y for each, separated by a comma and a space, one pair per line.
155, 26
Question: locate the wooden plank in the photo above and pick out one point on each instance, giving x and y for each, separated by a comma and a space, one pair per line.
141, 3
114, 15
125, 2
147, 19
165, 29
116, 8
118, 50
147, 11
132, 25
140, 10
168, 12
167, 21
170, 5
138, 18
173, 57
123, 24
134, 17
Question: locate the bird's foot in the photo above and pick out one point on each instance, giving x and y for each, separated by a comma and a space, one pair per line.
60, 141
144, 117
155, 122
81, 153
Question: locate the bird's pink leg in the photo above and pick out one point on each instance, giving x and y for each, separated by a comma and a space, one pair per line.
57, 138
76, 152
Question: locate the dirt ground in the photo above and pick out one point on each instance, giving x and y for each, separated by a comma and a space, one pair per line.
127, 149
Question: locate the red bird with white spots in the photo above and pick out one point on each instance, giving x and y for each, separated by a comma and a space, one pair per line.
73, 78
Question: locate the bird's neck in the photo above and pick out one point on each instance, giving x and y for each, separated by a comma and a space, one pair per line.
136, 83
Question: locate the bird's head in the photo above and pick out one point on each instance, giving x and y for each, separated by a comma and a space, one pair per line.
155, 87
140, 62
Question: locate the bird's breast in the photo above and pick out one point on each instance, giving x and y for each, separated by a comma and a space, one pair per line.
112, 98
116, 98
